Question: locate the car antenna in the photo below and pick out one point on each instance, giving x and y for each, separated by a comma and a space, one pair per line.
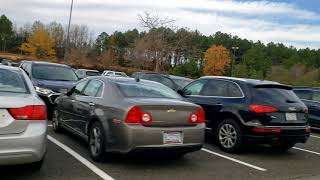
137, 79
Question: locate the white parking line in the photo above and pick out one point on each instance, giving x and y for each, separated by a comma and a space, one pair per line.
315, 136
234, 160
84, 161
306, 150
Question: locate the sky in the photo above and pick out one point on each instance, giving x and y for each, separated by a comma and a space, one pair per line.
292, 22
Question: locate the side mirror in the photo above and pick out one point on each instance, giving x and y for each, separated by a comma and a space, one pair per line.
180, 92
69, 93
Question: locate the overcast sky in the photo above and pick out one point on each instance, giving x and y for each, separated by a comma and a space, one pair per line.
293, 22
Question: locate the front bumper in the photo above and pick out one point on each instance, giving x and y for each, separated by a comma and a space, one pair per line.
137, 137
287, 134
27, 147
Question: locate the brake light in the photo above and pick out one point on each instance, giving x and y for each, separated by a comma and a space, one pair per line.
306, 110
37, 112
262, 108
136, 116
197, 117
266, 130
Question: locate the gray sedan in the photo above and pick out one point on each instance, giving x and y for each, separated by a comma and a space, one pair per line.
23, 120
127, 115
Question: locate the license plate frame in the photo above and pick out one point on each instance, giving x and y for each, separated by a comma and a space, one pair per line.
172, 137
291, 117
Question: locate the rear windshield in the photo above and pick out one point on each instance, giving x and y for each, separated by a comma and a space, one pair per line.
92, 73
147, 90
54, 73
271, 95
12, 81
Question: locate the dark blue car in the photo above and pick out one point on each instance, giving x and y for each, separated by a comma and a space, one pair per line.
50, 79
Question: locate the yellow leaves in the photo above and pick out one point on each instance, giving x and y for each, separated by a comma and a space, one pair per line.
216, 60
39, 45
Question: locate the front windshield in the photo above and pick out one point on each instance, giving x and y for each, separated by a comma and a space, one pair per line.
92, 73
146, 90
54, 73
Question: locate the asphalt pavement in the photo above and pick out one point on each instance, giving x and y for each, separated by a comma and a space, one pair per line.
68, 158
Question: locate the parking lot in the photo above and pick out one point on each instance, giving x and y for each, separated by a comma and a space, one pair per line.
68, 158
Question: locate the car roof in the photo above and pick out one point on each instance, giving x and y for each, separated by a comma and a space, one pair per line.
92, 70
179, 77
244, 80
9, 67
47, 63
128, 80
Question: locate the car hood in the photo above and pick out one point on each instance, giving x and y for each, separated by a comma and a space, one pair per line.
57, 86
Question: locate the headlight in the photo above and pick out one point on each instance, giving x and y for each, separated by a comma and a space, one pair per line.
43, 90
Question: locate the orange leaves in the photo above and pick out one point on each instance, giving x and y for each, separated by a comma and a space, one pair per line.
216, 60
39, 45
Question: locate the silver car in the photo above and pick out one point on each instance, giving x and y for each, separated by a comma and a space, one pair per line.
23, 120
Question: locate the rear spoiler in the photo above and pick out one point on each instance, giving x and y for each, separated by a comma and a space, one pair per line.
279, 86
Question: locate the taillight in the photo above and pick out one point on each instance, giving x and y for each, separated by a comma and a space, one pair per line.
266, 130
306, 110
136, 116
197, 117
262, 108
37, 112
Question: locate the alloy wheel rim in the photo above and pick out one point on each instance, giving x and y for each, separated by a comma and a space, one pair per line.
227, 136
95, 141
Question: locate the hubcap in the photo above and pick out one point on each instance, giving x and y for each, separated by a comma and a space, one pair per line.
95, 141
227, 136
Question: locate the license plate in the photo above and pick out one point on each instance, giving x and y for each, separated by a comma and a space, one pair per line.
291, 116
172, 138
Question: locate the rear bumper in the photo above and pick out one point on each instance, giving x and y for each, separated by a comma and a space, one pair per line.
27, 147
287, 134
137, 138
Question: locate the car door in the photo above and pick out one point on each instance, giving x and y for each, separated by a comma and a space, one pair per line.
85, 105
66, 106
310, 100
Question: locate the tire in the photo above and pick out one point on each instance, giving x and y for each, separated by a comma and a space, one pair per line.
55, 121
229, 136
283, 147
97, 141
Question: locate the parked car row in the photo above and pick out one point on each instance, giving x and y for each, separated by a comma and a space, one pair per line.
150, 111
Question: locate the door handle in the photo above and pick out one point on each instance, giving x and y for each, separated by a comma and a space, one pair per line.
91, 104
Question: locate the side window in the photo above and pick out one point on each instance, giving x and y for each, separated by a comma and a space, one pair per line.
194, 88
23, 65
79, 87
316, 96
233, 90
28, 68
167, 82
93, 88
215, 88
304, 94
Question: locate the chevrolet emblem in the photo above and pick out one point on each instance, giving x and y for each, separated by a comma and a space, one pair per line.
171, 110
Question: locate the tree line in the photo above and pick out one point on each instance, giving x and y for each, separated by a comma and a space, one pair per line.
163, 47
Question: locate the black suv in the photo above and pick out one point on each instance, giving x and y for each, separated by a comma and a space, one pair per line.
311, 97
239, 111
49, 79
173, 82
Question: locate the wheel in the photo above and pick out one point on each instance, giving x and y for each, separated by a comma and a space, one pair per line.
229, 136
96, 141
55, 121
283, 146
35, 166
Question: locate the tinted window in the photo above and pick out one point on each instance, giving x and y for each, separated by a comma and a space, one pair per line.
274, 96
316, 96
234, 90
54, 73
93, 88
145, 89
79, 87
194, 88
11, 81
215, 88
304, 94
92, 73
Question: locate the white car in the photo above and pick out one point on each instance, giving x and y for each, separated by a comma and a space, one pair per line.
23, 120
114, 73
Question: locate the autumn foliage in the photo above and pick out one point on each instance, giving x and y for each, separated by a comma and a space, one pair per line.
216, 60
39, 45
